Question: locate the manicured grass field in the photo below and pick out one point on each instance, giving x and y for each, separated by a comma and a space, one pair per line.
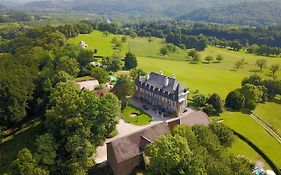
195, 76
140, 120
240, 147
246, 126
97, 40
270, 113
143, 48
10, 149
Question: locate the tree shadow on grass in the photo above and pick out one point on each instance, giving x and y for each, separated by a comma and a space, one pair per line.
255, 70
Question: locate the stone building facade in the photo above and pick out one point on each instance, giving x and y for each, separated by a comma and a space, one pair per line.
162, 91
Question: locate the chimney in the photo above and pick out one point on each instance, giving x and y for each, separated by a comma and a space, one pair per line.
174, 76
148, 76
161, 73
166, 81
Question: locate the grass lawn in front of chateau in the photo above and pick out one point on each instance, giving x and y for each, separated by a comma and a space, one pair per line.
135, 116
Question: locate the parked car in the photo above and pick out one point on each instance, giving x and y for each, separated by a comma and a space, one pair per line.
145, 107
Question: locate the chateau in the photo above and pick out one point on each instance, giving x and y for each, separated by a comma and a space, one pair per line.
162, 91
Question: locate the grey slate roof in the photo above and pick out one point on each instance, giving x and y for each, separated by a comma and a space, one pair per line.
127, 147
156, 84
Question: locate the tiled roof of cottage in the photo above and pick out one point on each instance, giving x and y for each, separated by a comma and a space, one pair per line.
127, 147
156, 83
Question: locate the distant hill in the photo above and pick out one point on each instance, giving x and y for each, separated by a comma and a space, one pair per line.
253, 12
170, 8
250, 13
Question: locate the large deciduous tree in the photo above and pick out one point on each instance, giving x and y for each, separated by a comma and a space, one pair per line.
167, 153
124, 89
16, 89
25, 164
100, 74
235, 100
79, 122
261, 63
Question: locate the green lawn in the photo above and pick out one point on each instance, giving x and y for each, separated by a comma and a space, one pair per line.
97, 40
246, 126
140, 120
10, 149
143, 48
270, 113
195, 76
240, 147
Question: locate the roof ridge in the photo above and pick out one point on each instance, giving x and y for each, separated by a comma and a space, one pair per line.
119, 138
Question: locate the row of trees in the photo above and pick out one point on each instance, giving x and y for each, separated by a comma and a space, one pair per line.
191, 36
198, 150
195, 57
189, 42
254, 90
14, 16
212, 105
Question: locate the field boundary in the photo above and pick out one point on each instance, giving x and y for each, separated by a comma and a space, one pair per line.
274, 134
259, 151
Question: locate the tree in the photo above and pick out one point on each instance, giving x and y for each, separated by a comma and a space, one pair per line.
46, 150
235, 100
273, 87
124, 89
171, 48
85, 57
16, 89
100, 74
194, 56
68, 65
250, 92
253, 79
219, 58
113, 63
253, 48
25, 164
209, 59
201, 45
167, 153
216, 102
236, 45
240, 64
261, 63
67, 120
225, 135
124, 39
209, 109
274, 68
109, 113
199, 100
134, 73
116, 43
193, 53
187, 133
163, 51
133, 34
130, 61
